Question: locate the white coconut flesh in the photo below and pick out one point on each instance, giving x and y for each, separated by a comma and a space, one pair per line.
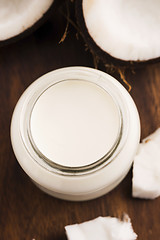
127, 30
102, 228
16, 16
146, 168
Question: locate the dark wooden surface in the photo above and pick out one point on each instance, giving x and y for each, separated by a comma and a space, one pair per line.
25, 211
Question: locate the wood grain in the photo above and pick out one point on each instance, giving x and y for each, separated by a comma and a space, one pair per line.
26, 212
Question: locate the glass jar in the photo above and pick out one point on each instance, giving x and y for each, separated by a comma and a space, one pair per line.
82, 180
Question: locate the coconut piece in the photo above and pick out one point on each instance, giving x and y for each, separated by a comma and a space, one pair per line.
103, 228
154, 137
17, 16
146, 168
126, 31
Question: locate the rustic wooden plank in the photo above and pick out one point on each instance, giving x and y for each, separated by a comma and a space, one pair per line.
26, 212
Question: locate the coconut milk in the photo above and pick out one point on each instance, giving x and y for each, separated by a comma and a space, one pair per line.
75, 123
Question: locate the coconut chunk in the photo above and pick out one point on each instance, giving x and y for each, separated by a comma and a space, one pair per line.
102, 228
146, 168
154, 137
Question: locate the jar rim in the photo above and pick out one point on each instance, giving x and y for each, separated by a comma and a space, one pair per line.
101, 79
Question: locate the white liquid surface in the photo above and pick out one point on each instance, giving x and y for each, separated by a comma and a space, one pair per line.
75, 123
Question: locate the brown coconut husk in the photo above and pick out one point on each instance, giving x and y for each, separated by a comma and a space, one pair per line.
109, 65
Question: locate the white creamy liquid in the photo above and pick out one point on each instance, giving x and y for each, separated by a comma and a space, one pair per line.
75, 123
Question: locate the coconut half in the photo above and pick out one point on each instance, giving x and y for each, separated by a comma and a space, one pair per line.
16, 16
121, 31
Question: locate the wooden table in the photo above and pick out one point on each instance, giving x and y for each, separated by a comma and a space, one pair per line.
26, 212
